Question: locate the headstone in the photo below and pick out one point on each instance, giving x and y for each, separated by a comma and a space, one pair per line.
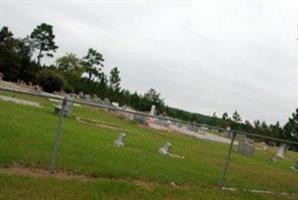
139, 118
282, 150
264, 146
67, 109
246, 148
94, 97
107, 101
81, 94
87, 97
153, 112
166, 149
120, 141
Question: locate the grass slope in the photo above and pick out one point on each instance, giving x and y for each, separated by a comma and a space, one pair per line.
27, 134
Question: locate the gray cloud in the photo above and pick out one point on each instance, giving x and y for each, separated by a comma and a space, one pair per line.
207, 56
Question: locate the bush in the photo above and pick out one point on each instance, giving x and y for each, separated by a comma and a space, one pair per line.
51, 80
68, 89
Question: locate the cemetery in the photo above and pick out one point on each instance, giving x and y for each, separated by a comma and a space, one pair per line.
144, 154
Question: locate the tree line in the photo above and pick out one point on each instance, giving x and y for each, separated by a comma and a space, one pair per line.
20, 59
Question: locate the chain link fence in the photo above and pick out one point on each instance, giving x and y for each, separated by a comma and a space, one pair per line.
91, 137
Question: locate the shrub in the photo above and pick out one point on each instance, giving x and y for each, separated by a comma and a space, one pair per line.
51, 80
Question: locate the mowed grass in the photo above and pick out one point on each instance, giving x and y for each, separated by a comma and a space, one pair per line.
27, 134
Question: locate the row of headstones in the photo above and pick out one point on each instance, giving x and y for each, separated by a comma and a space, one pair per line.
164, 150
94, 98
246, 147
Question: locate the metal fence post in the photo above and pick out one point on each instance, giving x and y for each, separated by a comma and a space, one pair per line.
227, 160
57, 136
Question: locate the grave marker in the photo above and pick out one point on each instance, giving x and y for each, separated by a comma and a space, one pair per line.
282, 150
67, 108
246, 148
152, 112
166, 149
120, 141
264, 146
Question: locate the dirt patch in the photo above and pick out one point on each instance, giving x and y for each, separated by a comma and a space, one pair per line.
41, 173
66, 175
145, 184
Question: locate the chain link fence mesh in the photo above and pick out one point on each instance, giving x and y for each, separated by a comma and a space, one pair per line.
100, 140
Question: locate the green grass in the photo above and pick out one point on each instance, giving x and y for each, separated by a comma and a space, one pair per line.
27, 134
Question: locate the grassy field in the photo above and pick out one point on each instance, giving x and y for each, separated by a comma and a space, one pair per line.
137, 171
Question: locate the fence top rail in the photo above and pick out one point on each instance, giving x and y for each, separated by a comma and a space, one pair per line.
113, 108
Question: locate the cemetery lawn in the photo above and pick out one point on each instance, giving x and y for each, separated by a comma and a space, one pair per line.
91, 167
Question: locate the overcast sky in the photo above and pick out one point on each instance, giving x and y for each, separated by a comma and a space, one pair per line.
202, 56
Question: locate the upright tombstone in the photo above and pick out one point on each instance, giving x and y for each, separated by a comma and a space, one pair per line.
139, 118
87, 97
94, 98
264, 146
67, 108
282, 150
245, 147
153, 108
120, 141
107, 101
165, 149
81, 95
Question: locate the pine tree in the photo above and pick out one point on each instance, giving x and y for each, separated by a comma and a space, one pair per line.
43, 40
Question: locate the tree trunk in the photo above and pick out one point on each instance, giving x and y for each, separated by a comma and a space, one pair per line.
39, 56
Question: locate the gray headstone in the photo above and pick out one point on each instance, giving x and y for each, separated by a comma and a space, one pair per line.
95, 98
120, 141
246, 148
282, 150
165, 149
87, 97
81, 94
67, 109
107, 101
139, 118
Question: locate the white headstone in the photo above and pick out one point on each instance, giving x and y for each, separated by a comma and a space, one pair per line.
264, 146
282, 150
152, 112
166, 149
120, 141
